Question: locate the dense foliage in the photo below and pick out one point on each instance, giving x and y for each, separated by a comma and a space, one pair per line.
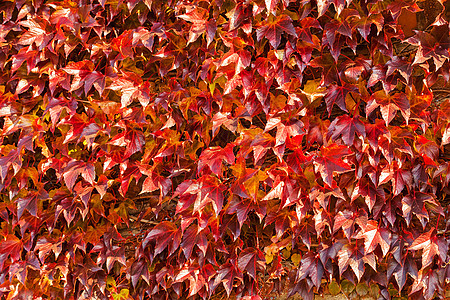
172, 149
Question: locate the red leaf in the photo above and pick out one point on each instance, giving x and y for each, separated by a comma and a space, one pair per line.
399, 177
363, 24
346, 127
443, 172
211, 190
230, 223
321, 219
345, 220
330, 73
331, 161
353, 70
429, 281
57, 105
226, 274
84, 75
75, 168
389, 105
238, 14
414, 203
165, 234
115, 254
303, 288
318, 129
89, 134
432, 45
139, 269
12, 159
353, 256
446, 136
426, 147
213, 157
29, 203
196, 280
367, 189
36, 33
271, 6
374, 235
260, 144
336, 95
77, 123
128, 173
132, 139
395, 143
339, 5
224, 119
431, 245
284, 131
232, 83
273, 30
401, 65
374, 131
284, 220
200, 24
142, 36
130, 85
44, 246
155, 182
304, 32
378, 74
334, 35
32, 57
208, 189
123, 44
251, 260
322, 6
11, 246
191, 237
400, 270
295, 160
311, 266
243, 206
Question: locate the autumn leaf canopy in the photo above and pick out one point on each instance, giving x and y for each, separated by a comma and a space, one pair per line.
207, 149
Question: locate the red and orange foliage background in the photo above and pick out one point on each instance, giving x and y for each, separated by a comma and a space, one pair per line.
173, 149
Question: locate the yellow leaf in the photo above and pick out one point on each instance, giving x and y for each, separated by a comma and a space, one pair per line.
273, 248
312, 90
123, 295
295, 258
286, 253
252, 185
278, 102
110, 282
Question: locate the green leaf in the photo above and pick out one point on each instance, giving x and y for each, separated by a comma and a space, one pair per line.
334, 288
347, 287
362, 289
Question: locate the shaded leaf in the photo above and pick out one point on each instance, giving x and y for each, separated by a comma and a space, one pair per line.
165, 235
251, 260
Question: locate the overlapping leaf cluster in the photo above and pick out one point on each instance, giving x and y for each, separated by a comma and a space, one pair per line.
173, 149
